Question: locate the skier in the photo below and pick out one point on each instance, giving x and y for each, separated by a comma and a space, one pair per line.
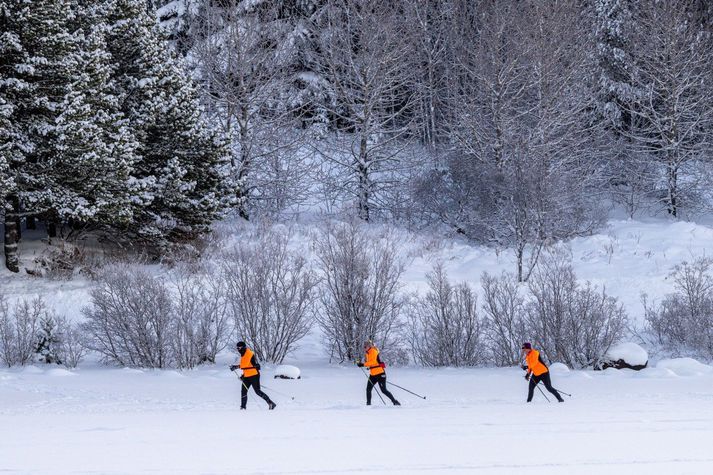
377, 373
251, 375
537, 371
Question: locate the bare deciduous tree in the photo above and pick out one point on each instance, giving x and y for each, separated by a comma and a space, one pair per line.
270, 292
129, 319
202, 324
363, 54
504, 320
683, 322
19, 330
445, 327
360, 298
572, 324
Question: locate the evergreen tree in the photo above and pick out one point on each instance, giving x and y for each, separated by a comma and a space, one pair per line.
90, 174
181, 164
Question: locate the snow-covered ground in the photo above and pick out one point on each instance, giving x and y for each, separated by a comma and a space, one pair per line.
125, 421
106, 420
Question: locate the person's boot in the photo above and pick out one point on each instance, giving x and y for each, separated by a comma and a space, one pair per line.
242, 408
271, 405
396, 403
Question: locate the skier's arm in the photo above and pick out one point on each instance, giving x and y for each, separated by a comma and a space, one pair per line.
254, 363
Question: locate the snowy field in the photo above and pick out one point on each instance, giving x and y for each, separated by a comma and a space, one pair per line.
473, 421
123, 421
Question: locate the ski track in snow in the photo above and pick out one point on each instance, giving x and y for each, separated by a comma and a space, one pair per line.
115, 421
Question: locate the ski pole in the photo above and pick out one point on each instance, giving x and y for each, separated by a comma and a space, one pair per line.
543, 393
373, 385
560, 391
407, 390
278, 392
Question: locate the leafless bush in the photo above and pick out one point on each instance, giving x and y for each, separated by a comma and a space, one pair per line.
72, 347
202, 325
270, 293
360, 297
19, 330
445, 328
129, 320
683, 322
504, 308
573, 324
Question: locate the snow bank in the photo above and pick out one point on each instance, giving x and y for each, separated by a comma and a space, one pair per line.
61, 372
287, 372
631, 353
685, 367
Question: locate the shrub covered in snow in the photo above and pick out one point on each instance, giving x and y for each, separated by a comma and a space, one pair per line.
138, 320
270, 292
572, 323
445, 329
683, 322
504, 323
360, 291
287, 372
625, 355
19, 330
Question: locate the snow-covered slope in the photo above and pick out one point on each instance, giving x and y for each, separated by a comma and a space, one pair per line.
629, 258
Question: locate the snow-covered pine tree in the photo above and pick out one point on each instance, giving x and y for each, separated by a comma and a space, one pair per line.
181, 164
49, 339
11, 140
95, 148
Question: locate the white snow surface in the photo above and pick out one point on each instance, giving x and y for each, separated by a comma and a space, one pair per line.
631, 353
473, 421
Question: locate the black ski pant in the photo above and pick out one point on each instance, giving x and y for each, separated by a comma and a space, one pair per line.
253, 381
379, 379
545, 378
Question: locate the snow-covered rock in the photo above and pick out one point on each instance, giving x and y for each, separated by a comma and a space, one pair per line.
625, 355
685, 366
559, 368
287, 372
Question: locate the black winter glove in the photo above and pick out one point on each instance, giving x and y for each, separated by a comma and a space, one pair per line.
524, 367
527, 377
233, 367
257, 366
361, 365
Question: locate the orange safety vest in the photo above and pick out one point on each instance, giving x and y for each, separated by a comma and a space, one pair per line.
372, 362
246, 365
534, 365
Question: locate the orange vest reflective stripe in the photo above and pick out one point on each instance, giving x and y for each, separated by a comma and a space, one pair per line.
246, 365
533, 363
372, 362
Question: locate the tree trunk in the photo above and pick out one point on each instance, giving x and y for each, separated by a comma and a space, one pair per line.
12, 237
31, 222
52, 230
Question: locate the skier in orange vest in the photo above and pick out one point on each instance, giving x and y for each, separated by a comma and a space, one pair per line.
251, 375
377, 373
537, 371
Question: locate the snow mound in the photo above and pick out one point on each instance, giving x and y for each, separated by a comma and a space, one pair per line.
287, 372
559, 368
60, 372
632, 353
685, 366
32, 370
655, 373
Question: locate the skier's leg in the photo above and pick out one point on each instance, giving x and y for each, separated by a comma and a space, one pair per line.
548, 384
531, 388
387, 393
244, 392
258, 391
369, 386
